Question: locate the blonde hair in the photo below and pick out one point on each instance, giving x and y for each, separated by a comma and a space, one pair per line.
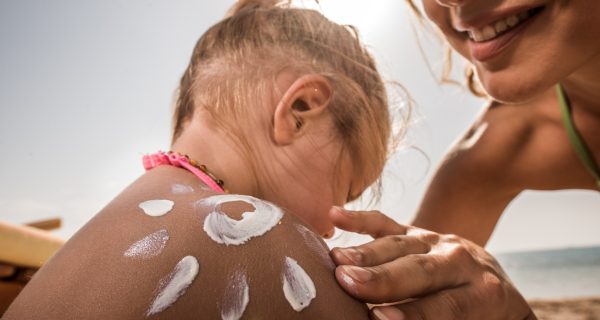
471, 80
233, 60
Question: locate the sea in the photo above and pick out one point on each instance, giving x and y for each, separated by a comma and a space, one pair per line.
554, 274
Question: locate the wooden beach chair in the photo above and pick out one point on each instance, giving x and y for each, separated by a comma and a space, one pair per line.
23, 250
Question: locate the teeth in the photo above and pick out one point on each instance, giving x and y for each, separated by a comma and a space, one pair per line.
476, 35
512, 21
483, 34
501, 26
491, 31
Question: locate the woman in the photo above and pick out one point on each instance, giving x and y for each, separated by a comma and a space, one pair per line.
527, 55
548, 49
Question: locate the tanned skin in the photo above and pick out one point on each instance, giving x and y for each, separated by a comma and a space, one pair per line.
522, 146
91, 278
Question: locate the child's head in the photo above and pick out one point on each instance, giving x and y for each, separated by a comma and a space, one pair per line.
285, 81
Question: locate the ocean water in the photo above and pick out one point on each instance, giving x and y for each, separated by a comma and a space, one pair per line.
564, 273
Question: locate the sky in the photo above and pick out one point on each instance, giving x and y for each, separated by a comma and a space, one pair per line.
86, 88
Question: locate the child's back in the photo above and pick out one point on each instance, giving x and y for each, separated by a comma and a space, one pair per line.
121, 264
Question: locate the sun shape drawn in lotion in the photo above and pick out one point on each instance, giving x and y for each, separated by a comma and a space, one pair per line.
225, 230
174, 285
179, 188
156, 208
298, 287
148, 247
236, 298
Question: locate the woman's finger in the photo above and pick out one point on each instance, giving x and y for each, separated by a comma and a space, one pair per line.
379, 251
373, 223
407, 277
387, 313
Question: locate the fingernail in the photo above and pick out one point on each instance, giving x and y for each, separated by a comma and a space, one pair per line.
379, 315
351, 254
357, 273
349, 281
388, 313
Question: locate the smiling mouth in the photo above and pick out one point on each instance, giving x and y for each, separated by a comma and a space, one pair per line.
502, 26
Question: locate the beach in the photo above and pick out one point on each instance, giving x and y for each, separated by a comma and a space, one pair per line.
558, 284
567, 309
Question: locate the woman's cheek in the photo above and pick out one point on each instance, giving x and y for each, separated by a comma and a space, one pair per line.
459, 44
438, 14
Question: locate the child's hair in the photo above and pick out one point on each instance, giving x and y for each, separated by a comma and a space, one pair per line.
471, 77
237, 60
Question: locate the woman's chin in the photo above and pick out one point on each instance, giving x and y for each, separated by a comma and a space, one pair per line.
513, 90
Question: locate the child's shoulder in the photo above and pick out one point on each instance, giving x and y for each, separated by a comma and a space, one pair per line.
167, 247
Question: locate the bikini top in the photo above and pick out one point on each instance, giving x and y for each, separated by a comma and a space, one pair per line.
582, 150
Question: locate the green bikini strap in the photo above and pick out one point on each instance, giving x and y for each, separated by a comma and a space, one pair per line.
577, 141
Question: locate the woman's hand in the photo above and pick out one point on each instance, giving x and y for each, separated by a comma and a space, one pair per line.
450, 277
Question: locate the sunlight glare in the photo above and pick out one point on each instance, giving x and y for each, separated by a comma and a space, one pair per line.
366, 16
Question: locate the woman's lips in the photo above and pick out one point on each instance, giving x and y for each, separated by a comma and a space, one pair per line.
485, 50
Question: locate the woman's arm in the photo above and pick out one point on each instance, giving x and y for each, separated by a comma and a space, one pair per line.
467, 195
480, 175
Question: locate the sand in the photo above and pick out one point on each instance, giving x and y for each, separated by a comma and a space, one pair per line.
571, 309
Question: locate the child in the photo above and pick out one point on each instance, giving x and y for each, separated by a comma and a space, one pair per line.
280, 114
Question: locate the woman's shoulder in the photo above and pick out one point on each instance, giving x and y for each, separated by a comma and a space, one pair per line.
506, 141
501, 133
167, 248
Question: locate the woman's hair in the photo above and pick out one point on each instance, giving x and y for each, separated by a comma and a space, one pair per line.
237, 60
472, 82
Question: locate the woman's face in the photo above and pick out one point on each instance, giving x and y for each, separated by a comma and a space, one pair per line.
520, 48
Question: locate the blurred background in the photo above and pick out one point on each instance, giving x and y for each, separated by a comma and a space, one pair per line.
86, 89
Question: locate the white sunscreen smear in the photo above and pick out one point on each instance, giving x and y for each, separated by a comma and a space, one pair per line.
298, 287
205, 187
150, 246
179, 188
156, 208
312, 241
174, 285
225, 230
237, 296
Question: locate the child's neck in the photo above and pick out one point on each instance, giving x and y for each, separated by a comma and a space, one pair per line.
209, 146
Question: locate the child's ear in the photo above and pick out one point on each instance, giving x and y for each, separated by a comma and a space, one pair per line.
304, 101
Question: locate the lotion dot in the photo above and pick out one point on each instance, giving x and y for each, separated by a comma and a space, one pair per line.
156, 208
